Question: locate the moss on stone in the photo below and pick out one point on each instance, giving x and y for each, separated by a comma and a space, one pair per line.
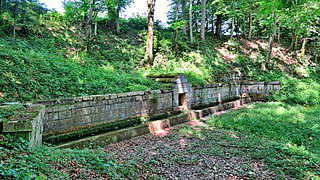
93, 130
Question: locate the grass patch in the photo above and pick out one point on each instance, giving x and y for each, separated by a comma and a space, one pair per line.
286, 137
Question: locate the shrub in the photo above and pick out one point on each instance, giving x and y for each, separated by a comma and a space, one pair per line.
299, 91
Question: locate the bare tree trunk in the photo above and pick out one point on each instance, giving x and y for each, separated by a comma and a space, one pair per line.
250, 26
232, 27
203, 20
151, 5
190, 21
303, 48
212, 21
1, 11
219, 25
89, 23
184, 15
15, 19
279, 33
96, 28
296, 42
270, 44
175, 34
118, 16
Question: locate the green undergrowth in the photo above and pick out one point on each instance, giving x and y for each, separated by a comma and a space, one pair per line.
47, 162
285, 137
32, 72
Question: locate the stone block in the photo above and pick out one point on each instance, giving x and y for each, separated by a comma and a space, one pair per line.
60, 108
30, 129
53, 116
67, 101
64, 114
139, 98
87, 98
122, 95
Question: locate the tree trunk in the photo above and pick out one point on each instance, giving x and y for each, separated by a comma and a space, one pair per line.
219, 25
15, 19
296, 42
291, 48
149, 53
190, 21
212, 21
270, 43
232, 27
250, 26
96, 28
1, 11
184, 15
89, 23
118, 16
203, 20
279, 33
175, 34
303, 48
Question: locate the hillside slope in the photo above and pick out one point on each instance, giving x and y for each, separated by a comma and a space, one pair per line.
54, 63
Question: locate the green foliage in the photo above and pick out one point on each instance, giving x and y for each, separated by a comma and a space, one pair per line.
10, 112
23, 14
283, 136
19, 162
30, 72
299, 91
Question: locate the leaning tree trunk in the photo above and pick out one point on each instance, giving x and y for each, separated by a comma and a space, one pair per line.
219, 25
175, 34
184, 15
190, 21
250, 26
149, 48
203, 20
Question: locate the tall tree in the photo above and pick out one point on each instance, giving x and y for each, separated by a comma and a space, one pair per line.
176, 28
118, 16
184, 15
89, 24
219, 25
149, 48
203, 20
190, 21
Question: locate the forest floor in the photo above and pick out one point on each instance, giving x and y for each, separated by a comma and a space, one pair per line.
178, 156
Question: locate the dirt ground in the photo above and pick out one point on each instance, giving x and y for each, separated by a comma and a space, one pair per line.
189, 151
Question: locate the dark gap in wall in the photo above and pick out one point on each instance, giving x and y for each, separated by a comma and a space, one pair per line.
182, 99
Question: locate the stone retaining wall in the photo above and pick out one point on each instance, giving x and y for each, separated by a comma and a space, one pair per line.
69, 114
217, 93
72, 114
